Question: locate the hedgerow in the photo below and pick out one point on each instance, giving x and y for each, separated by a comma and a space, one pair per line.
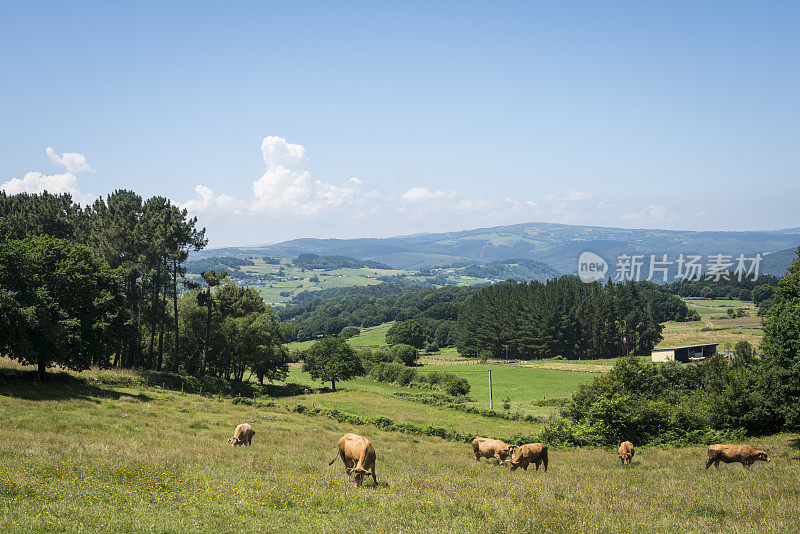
459, 404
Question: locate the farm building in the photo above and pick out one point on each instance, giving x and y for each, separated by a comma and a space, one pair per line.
684, 354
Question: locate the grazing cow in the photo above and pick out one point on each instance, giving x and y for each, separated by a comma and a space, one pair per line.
358, 457
535, 453
626, 452
745, 454
243, 435
492, 448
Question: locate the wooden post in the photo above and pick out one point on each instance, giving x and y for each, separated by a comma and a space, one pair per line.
491, 402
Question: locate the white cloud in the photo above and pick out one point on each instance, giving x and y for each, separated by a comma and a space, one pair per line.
74, 163
207, 201
36, 182
423, 194
570, 196
532, 204
285, 188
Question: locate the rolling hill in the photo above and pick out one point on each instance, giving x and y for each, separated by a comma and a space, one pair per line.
557, 245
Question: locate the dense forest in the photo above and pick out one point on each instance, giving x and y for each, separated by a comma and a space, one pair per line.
105, 285
565, 317
313, 261
519, 269
331, 311
750, 395
217, 263
521, 320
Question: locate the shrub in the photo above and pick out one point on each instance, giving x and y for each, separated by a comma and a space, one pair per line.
455, 385
406, 376
405, 354
431, 347
350, 331
558, 432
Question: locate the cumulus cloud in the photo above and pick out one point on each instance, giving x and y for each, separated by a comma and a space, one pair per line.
74, 163
423, 194
206, 200
37, 182
285, 187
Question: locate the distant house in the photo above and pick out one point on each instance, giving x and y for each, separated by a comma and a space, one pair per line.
684, 354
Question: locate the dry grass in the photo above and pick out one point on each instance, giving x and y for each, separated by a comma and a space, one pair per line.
714, 326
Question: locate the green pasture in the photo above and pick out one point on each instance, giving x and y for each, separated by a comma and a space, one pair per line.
81, 458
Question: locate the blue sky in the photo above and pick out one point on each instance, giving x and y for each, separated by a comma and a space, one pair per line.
275, 121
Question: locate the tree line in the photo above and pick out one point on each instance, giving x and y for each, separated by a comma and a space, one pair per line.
759, 291
565, 317
315, 261
106, 285
329, 312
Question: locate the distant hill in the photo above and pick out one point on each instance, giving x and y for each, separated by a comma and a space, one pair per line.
777, 262
556, 245
517, 269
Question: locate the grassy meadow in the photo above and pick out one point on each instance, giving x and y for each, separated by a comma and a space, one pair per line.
296, 279
77, 456
715, 326
522, 385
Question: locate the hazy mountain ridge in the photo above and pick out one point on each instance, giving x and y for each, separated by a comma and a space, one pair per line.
557, 245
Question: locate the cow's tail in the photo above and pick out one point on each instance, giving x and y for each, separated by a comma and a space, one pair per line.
334, 458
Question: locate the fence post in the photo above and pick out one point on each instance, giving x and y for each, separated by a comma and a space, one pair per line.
491, 402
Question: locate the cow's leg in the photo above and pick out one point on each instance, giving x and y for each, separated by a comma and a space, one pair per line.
348, 466
374, 479
709, 462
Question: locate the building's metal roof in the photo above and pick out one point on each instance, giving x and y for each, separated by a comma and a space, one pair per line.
688, 346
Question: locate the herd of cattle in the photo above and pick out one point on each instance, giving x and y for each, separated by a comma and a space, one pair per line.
358, 454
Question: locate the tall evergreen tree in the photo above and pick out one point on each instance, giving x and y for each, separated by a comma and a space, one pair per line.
780, 347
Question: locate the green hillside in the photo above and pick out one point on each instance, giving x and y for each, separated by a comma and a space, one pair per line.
557, 245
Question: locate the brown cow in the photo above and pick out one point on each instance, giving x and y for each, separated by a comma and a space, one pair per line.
243, 435
626, 452
358, 457
535, 453
745, 454
492, 448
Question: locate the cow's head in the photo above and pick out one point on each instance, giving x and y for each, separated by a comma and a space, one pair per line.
514, 460
358, 474
508, 452
762, 455
234, 441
